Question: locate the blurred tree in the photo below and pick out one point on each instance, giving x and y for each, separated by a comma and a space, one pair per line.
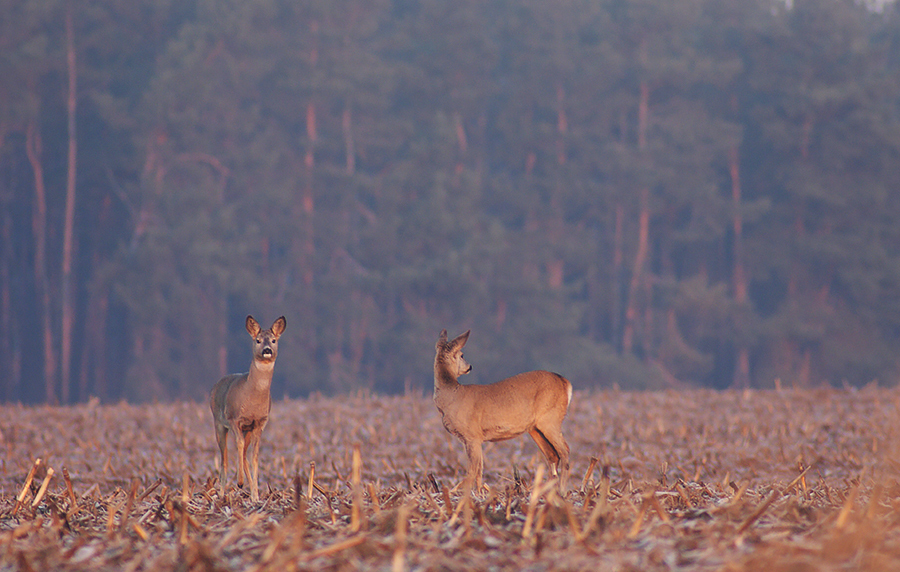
822, 109
29, 56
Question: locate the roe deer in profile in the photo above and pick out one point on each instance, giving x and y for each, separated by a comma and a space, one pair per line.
535, 401
241, 402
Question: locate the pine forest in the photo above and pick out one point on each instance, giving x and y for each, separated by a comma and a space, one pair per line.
642, 194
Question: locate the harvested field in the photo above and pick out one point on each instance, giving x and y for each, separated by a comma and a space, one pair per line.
692, 480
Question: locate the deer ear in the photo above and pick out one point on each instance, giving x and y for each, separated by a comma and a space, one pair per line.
461, 339
279, 326
442, 339
252, 326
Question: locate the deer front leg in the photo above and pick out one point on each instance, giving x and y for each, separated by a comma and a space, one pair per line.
476, 465
254, 476
222, 441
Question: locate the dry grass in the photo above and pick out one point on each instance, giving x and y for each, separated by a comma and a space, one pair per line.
694, 480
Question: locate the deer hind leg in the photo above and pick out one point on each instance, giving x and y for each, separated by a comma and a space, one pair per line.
240, 440
546, 448
222, 441
554, 446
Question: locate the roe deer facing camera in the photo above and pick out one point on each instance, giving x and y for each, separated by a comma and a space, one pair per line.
241, 402
535, 401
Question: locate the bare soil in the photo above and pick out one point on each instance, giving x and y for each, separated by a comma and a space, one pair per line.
691, 480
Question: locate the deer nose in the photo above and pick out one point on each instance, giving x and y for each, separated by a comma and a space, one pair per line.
267, 351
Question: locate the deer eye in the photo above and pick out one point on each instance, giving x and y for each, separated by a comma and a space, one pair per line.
258, 341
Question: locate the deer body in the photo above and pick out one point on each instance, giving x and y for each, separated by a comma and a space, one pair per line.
241, 402
534, 402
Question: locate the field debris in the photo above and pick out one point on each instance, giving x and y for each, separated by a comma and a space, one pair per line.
690, 480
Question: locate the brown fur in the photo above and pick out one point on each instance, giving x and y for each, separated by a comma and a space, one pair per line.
241, 402
534, 402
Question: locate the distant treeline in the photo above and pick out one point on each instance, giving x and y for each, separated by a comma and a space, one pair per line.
649, 193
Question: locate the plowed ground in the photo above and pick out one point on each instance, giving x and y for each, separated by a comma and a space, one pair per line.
692, 480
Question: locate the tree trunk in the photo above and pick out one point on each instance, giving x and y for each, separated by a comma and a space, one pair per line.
556, 265
94, 355
68, 311
10, 383
618, 278
308, 198
349, 146
640, 258
739, 280
797, 359
41, 282
307, 246
222, 334
637, 273
8, 386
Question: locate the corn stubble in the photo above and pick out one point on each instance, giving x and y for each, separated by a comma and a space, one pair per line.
694, 480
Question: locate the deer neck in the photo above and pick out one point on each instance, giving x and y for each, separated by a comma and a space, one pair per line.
260, 376
444, 379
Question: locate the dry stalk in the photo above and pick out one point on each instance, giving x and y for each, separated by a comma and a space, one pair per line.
509, 503
663, 515
773, 496
43, 489
323, 492
111, 516
185, 497
312, 480
70, 491
591, 522
129, 503
434, 506
684, 495
398, 494
573, 522
739, 494
539, 522
398, 561
278, 536
27, 485
588, 473
373, 497
465, 500
356, 478
599, 508
298, 496
639, 520
448, 504
801, 478
147, 514
336, 547
238, 529
848, 506
532, 502
92, 490
149, 490
434, 482
874, 499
